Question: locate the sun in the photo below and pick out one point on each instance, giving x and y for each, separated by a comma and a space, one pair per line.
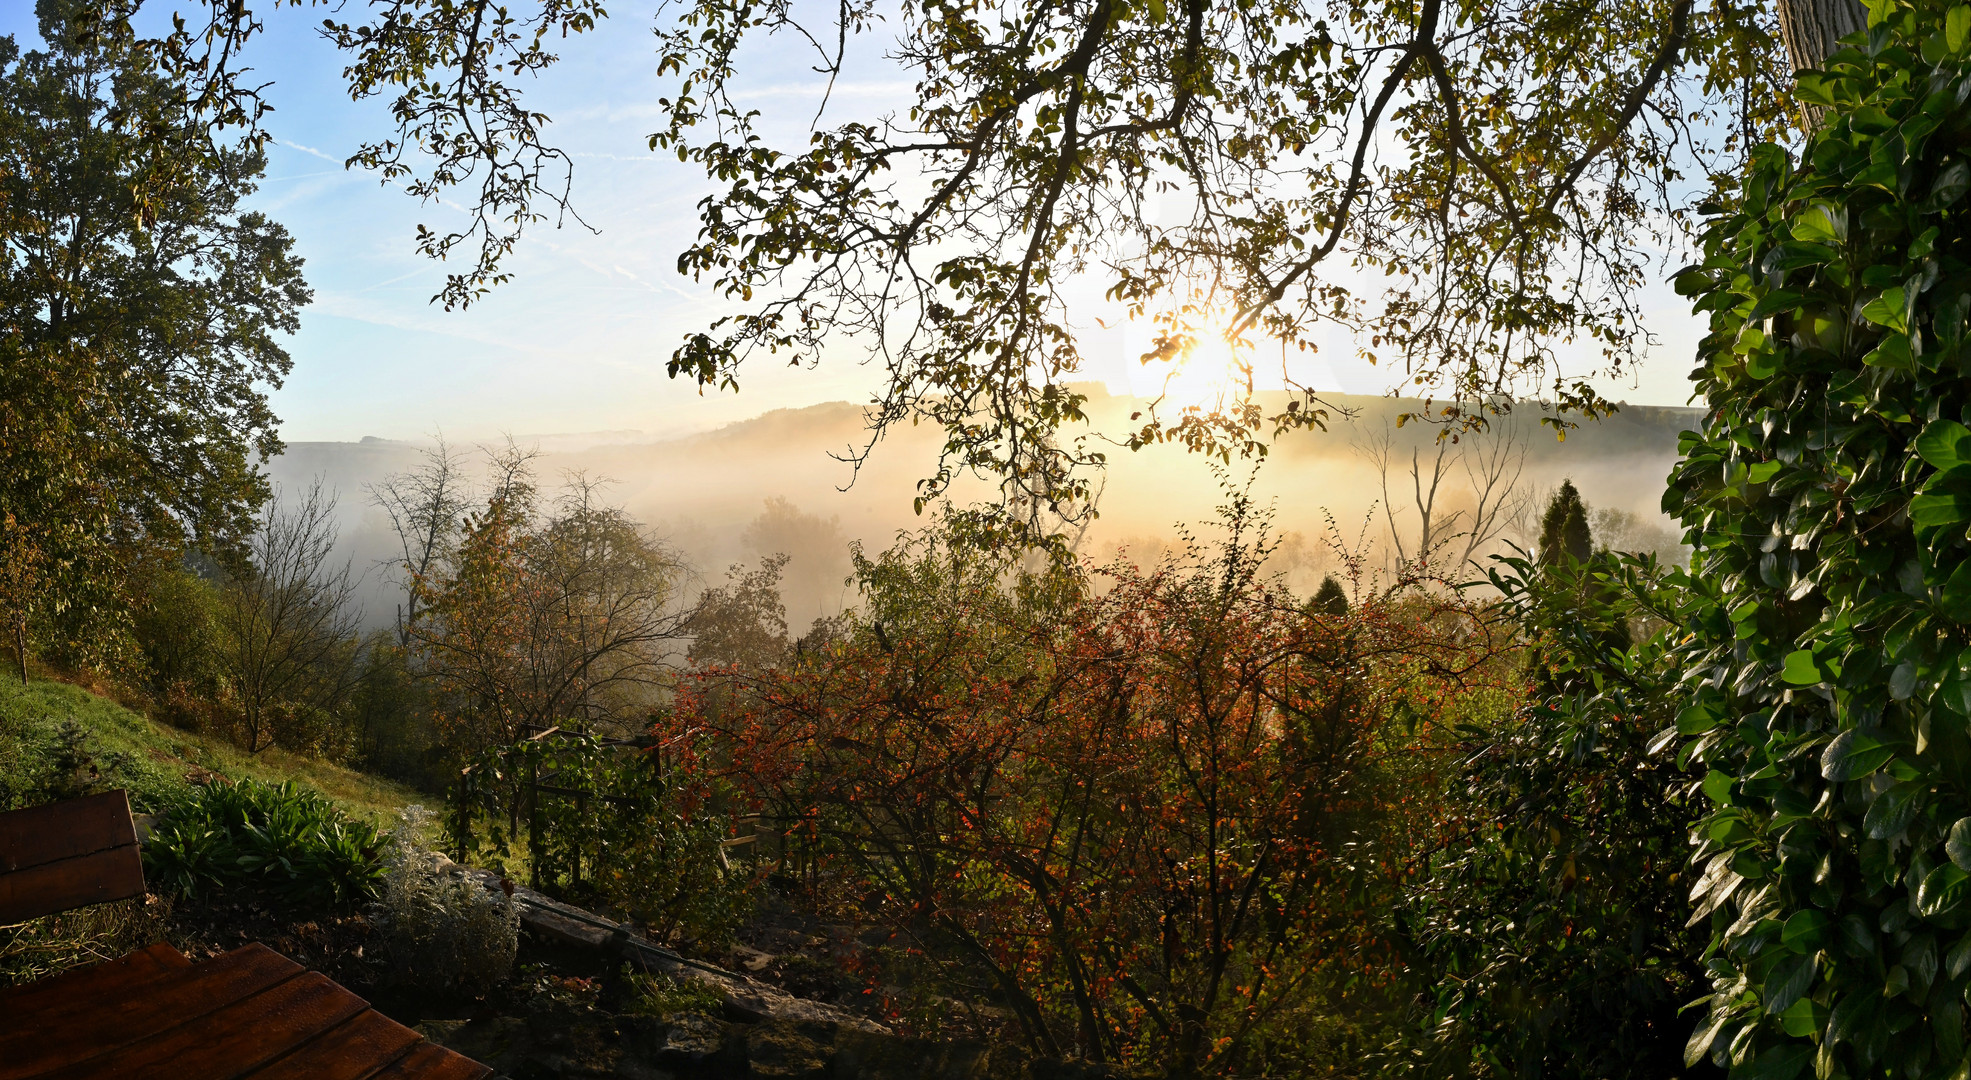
1210, 372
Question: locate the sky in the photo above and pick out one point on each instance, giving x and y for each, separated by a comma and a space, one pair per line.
576, 343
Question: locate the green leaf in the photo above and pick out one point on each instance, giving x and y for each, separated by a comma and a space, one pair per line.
1854, 1014
1890, 813
1958, 844
1957, 590
1888, 310
1950, 186
1773, 303
1929, 509
1806, 930
1701, 1039
1717, 787
1893, 352
1763, 471
1813, 89
1853, 755
1958, 959
1696, 720
1820, 224
1789, 979
1957, 27
1801, 670
1902, 681
1782, 1062
1803, 1018
1943, 891
1944, 444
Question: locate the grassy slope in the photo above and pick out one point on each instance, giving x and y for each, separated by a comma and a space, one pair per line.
154, 760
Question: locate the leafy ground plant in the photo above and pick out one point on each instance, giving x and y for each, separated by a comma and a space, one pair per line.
282, 838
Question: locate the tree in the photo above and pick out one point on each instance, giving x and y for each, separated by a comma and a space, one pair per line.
1331, 598
425, 506
1564, 534
287, 630
140, 310
1145, 819
534, 620
743, 623
1467, 189
1447, 539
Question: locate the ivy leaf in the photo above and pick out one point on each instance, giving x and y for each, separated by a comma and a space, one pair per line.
1805, 930
1902, 681
1958, 845
1891, 812
1943, 891
1951, 183
1853, 755
1701, 1039
1782, 1062
1944, 444
1886, 310
1958, 959
1801, 670
1789, 979
1933, 509
1775, 302
1854, 1014
1957, 591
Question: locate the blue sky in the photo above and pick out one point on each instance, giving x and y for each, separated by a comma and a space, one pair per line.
577, 342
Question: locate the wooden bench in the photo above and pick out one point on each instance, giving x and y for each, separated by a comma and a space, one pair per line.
155, 1014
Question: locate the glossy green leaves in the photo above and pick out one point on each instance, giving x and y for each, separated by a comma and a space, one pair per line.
1830, 492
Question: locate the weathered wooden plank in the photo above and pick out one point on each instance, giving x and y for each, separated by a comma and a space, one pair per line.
96, 878
20, 1004
80, 1023
231, 1042
64, 830
431, 1062
366, 1044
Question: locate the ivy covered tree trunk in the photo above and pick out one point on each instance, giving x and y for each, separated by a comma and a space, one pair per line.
1827, 496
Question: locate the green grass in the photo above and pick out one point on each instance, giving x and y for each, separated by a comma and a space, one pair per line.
156, 761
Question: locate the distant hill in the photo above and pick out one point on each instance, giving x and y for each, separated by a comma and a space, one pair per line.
705, 491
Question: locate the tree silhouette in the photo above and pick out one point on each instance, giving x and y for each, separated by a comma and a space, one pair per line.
1564, 527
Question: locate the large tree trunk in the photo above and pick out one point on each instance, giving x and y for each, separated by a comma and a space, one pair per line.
1810, 28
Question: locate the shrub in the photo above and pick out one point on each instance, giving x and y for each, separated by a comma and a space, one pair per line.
281, 838
445, 929
1551, 918
615, 824
1150, 820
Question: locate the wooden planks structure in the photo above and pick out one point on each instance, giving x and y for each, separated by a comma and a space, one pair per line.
154, 1015
251, 1013
68, 855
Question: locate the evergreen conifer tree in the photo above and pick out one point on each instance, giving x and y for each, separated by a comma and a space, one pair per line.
1330, 599
1564, 527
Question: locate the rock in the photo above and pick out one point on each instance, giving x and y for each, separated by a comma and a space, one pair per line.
789, 1050
861, 1055
695, 1041
752, 959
